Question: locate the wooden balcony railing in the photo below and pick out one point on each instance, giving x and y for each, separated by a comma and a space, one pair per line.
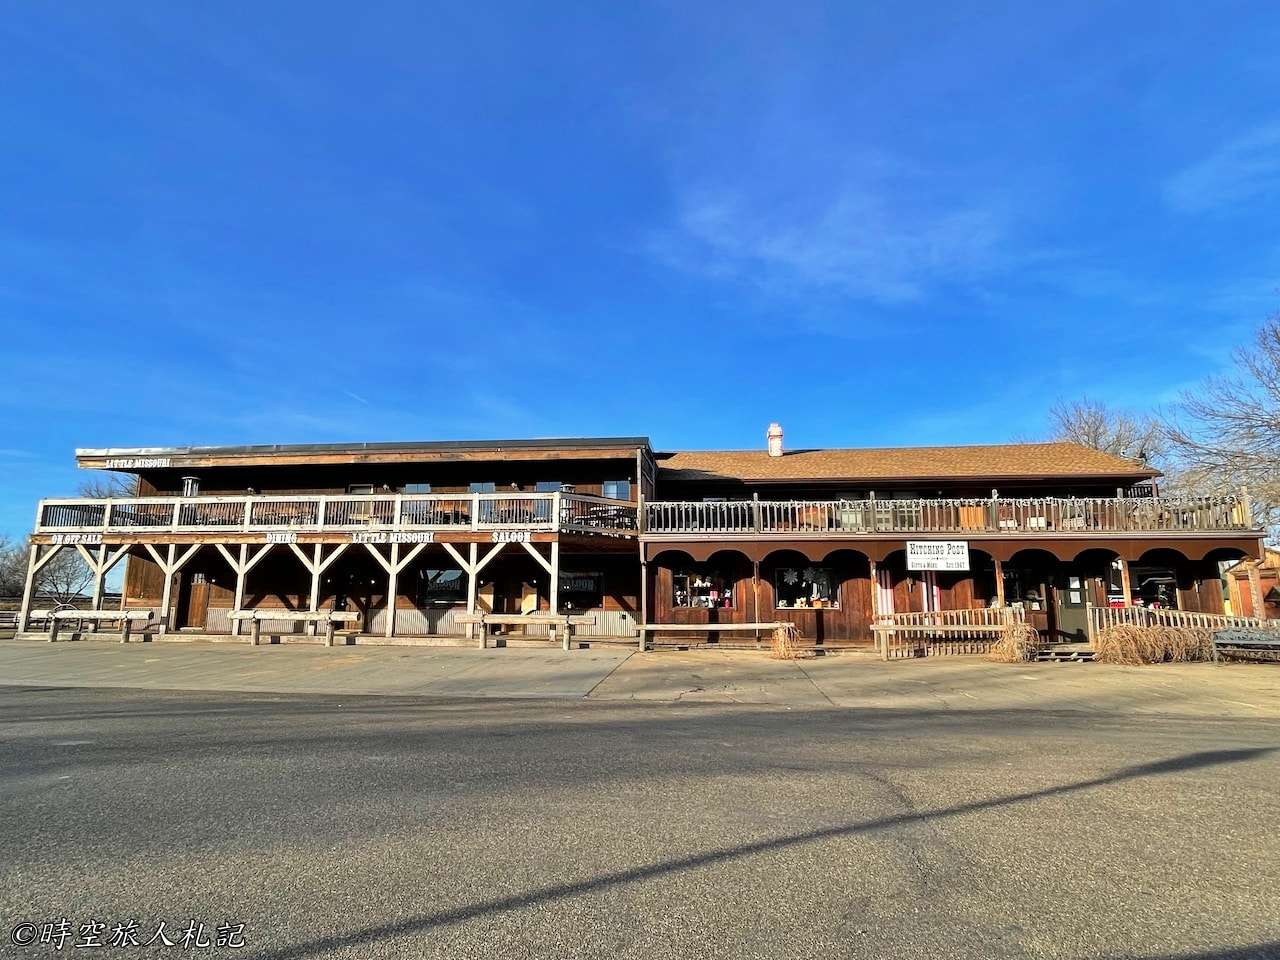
993, 516
476, 511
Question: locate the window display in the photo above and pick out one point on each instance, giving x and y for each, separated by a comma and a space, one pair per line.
706, 591
441, 587
805, 588
581, 591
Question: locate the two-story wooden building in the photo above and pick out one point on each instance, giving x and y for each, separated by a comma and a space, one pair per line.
411, 535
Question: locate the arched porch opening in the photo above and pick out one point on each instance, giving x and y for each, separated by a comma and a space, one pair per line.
1237, 584
829, 600
1162, 579
1030, 577
717, 590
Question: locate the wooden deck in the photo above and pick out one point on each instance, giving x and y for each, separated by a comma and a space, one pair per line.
393, 518
995, 516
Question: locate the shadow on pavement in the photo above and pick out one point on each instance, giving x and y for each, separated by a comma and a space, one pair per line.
430, 921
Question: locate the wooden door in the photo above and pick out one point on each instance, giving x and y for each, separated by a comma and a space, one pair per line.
198, 603
1070, 595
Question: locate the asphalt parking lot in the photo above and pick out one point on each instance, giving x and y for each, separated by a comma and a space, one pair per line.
407, 826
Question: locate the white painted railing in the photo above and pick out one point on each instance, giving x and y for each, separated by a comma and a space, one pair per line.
1103, 617
1035, 515
476, 511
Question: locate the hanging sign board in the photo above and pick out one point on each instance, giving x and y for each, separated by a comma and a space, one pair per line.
937, 554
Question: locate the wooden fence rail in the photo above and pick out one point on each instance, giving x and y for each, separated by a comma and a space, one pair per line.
942, 632
1102, 617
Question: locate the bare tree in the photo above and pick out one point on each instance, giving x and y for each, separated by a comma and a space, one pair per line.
13, 568
1227, 431
1092, 423
101, 485
65, 578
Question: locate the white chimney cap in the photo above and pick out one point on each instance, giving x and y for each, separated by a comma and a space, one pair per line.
774, 437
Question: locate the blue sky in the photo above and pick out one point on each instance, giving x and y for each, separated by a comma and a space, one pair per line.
875, 223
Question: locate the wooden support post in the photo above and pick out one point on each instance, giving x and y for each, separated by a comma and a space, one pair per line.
472, 577
554, 594
393, 584
999, 581
755, 590
99, 577
328, 633
241, 573
167, 594
1256, 598
314, 605
255, 632
875, 602
1126, 587
644, 596
24, 611
124, 630
53, 627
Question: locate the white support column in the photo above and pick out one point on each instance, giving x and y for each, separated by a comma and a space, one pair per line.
393, 582
555, 588
167, 594
241, 573
644, 595
99, 576
24, 612
472, 576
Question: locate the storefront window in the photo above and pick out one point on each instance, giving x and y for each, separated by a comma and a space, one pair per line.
805, 587
441, 586
706, 591
1024, 586
581, 591
1155, 587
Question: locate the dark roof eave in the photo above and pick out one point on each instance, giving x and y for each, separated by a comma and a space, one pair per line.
931, 478
428, 446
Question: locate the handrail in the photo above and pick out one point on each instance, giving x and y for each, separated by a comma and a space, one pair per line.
995, 515
346, 512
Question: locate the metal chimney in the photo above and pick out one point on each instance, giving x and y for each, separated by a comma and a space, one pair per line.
775, 439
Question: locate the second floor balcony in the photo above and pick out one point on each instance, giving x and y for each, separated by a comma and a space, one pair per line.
302, 513
1035, 516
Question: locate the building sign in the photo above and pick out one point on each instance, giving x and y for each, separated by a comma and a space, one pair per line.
137, 463
937, 554
67, 539
393, 536
511, 536
282, 537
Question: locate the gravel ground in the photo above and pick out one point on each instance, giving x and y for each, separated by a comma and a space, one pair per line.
369, 827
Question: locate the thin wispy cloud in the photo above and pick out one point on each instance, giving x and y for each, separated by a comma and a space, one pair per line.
1241, 170
880, 242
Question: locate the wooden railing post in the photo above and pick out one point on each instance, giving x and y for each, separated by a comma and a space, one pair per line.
322, 505
755, 513
475, 512
248, 512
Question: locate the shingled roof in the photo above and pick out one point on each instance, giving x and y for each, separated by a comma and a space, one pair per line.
1010, 461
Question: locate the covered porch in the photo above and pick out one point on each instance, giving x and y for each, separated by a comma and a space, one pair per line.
835, 591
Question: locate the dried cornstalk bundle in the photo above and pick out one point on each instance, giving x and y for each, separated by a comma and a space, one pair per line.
1018, 643
1133, 645
786, 642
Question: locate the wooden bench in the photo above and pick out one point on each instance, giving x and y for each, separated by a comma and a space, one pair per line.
1244, 643
330, 618
565, 622
126, 617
